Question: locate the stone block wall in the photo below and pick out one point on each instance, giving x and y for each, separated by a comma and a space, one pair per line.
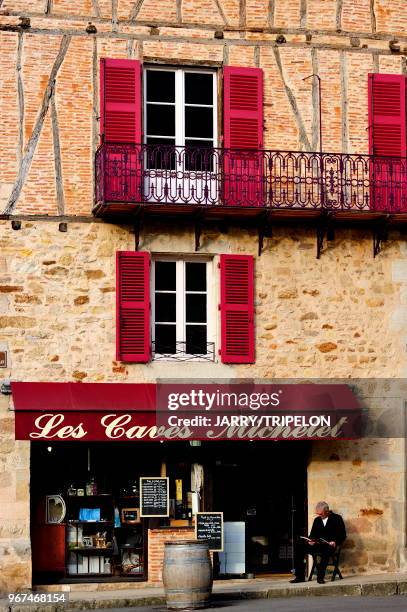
339, 317
15, 547
364, 482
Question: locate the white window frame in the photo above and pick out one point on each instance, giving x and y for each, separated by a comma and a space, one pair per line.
181, 306
180, 103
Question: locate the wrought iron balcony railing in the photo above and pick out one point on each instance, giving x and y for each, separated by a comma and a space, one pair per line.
210, 177
184, 351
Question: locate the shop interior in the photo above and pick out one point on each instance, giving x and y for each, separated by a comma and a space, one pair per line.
85, 505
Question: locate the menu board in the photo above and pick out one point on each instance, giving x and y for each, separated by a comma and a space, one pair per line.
154, 496
209, 528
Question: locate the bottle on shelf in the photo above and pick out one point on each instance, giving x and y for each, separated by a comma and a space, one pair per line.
117, 521
134, 489
91, 487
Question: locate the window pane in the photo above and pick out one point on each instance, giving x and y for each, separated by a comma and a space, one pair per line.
200, 144
200, 155
195, 276
196, 339
161, 120
160, 86
165, 341
156, 140
198, 88
195, 308
160, 154
198, 122
165, 309
165, 275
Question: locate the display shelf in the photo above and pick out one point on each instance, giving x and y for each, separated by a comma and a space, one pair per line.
92, 550
129, 496
90, 575
81, 556
77, 522
97, 496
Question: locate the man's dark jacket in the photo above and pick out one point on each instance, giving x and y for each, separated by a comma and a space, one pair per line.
333, 531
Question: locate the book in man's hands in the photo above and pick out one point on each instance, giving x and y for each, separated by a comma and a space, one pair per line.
316, 540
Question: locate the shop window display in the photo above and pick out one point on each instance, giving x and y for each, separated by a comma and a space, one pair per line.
103, 535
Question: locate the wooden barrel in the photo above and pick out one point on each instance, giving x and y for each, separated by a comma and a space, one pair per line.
187, 575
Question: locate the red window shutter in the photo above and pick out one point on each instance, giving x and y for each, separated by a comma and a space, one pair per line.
120, 100
237, 308
243, 107
243, 129
387, 115
388, 138
120, 122
133, 306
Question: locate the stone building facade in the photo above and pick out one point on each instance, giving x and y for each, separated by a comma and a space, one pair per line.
341, 316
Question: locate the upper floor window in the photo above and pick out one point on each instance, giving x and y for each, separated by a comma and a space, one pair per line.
180, 107
180, 293
181, 317
180, 161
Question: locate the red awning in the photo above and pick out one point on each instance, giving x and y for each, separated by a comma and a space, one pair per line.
147, 412
83, 397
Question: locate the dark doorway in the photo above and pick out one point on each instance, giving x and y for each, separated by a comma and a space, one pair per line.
263, 484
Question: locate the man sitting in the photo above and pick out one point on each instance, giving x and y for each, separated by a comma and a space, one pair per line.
328, 531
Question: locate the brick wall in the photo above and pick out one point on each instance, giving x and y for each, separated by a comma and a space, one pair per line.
289, 40
156, 541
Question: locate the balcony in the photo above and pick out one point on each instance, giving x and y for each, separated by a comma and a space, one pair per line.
248, 184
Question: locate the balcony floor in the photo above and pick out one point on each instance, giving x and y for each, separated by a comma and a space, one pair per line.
128, 212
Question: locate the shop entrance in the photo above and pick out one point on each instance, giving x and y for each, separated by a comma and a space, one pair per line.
261, 486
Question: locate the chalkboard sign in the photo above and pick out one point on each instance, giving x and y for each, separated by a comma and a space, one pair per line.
154, 496
209, 528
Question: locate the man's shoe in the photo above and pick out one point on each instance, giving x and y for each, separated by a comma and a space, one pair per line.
320, 581
295, 580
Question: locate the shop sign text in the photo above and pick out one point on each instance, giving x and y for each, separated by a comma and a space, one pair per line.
122, 427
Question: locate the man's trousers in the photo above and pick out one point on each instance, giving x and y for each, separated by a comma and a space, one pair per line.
302, 548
